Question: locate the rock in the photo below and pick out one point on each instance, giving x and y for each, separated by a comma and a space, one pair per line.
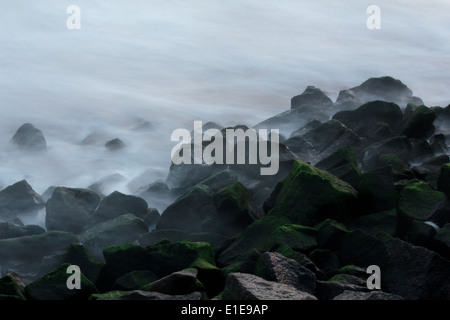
419, 124
377, 191
386, 221
12, 285
19, 198
216, 240
242, 286
115, 144
28, 137
155, 236
383, 88
312, 96
254, 237
442, 241
326, 260
134, 280
330, 234
367, 119
444, 180
117, 204
414, 272
420, 202
177, 283
421, 234
345, 278
297, 237
438, 160
104, 185
348, 173
70, 210
123, 229
220, 180
189, 211
328, 290
322, 141
11, 230
273, 266
53, 287
373, 295
79, 255
400, 171
235, 211
33, 248
309, 196
313, 124
341, 157
151, 217
438, 143
48, 193
143, 295
301, 258
290, 120
158, 187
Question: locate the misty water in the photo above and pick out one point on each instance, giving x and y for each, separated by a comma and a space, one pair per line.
137, 70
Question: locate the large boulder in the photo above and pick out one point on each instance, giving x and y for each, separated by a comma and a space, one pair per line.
242, 286
53, 286
312, 96
117, 204
309, 195
70, 209
19, 198
12, 286
177, 283
273, 266
79, 255
444, 179
12, 230
419, 124
123, 229
28, 137
322, 141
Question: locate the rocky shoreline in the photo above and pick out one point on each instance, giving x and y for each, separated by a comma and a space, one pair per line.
364, 180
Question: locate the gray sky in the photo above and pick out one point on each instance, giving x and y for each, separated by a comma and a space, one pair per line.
171, 62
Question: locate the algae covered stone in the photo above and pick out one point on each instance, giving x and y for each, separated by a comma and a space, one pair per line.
310, 195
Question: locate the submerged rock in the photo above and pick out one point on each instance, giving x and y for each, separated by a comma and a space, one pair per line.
30, 138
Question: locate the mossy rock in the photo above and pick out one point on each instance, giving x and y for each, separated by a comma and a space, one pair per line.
12, 287
419, 124
444, 179
385, 221
326, 260
377, 191
134, 280
349, 173
254, 237
295, 236
419, 201
330, 234
339, 158
152, 237
79, 255
399, 169
53, 286
310, 195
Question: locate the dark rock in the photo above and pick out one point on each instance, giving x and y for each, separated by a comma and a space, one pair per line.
53, 287
189, 211
328, 290
151, 217
400, 170
330, 234
438, 143
442, 241
444, 180
177, 283
48, 193
12, 230
301, 258
297, 237
117, 204
312, 96
348, 173
134, 280
341, 157
12, 285
420, 202
155, 236
421, 234
307, 127
216, 240
310, 195
322, 141
290, 120
143, 295
419, 124
374, 223
28, 137
373, 295
115, 144
377, 191
79, 255
345, 278
19, 198
123, 229
326, 260
70, 209
438, 160
366, 120
107, 183
220, 180
158, 187
242, 286
273, 266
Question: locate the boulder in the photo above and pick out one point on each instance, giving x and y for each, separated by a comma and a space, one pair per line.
419, 124
242, 286
143, 295
341, 157
19, 198
123, 229
11, 285
326, 260
273, 266
117, 204
134, 280
421, 234
444, 179
177, 283
30, 138
328, 290
367, 120
53, 287
322, 141
79, 255
70, 209
115, 144
312, 96
189, 211
309, 196
373, 295
442, 241
330, 234
11, 230
155, 236
385, 221
104, 185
